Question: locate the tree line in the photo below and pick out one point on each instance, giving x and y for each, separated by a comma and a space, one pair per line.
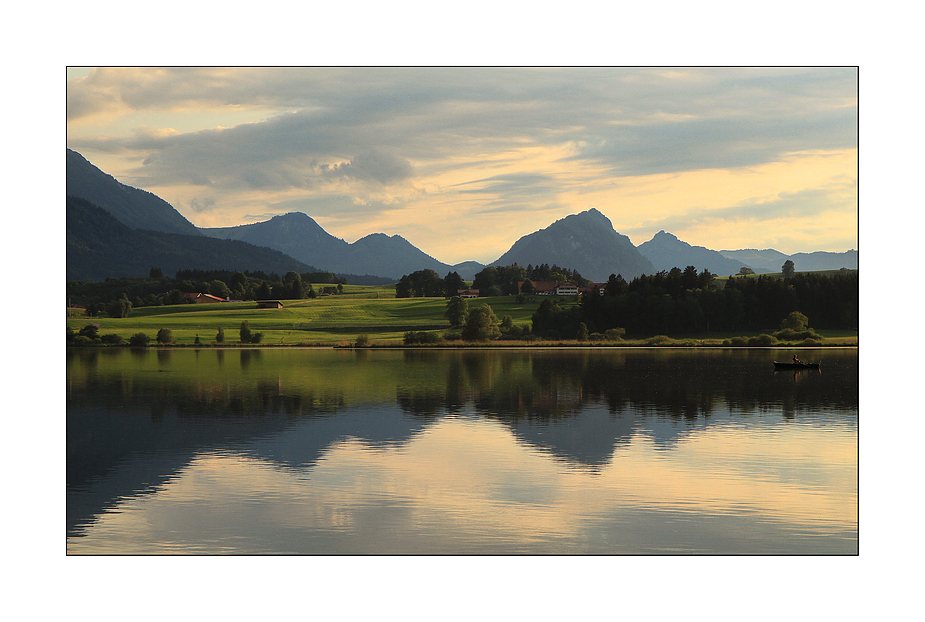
685, 301
490, 281
116, 297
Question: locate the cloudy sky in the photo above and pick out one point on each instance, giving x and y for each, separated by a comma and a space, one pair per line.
464, 161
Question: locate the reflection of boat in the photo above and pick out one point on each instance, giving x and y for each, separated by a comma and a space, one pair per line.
795, 365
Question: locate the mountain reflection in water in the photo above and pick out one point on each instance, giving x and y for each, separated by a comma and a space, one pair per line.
137, 420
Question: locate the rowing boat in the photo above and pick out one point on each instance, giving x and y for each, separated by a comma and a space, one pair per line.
778, 365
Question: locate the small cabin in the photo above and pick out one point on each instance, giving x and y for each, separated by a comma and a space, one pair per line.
269, 304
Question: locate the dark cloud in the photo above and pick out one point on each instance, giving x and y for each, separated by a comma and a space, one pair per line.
514, 192
201, 205
364, 126
372, 165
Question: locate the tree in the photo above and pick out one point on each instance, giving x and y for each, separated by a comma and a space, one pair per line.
238, 282
121, 307
582, 332
245, 332
218, 288
788, 269
263, 292
421, 283
165, 335
175, 297
482, 325
292, 286
452, 283
528, 287
795, 321
155, 273
457, 311
220, 336
746, 270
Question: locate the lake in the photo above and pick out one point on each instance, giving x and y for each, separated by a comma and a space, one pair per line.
469, 451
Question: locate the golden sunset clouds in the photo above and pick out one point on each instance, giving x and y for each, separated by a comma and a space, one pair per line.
464, 161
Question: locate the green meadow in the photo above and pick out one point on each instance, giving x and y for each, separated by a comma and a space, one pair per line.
339, 320
326, 320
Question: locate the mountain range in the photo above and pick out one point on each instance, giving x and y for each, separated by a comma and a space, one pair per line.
299, 236
115, 230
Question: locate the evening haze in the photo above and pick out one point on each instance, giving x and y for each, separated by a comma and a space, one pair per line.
464, 161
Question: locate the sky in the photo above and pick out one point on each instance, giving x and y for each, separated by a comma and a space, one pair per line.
463, 161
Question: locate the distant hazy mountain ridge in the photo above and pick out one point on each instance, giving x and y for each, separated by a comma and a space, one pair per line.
666, 251
770, 260
298, 235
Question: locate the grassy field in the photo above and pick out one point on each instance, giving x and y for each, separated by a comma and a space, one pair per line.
338, 320
326, 320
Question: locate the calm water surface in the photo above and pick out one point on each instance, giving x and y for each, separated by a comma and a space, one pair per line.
601, 451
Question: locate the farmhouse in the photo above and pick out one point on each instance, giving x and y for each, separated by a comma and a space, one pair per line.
200, 298
269, 304
551, 288
467, 293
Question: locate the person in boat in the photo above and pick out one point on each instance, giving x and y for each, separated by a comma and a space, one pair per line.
797, 361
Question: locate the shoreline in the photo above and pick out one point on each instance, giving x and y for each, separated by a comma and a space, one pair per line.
474, 346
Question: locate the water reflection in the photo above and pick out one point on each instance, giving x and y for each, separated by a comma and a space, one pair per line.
139, 424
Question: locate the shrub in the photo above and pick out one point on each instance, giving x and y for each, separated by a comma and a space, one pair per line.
89, 331
658, 340
614, 334
139, 339
111, 339
762, 340
739, 342
809, 342
415, 337
165, 335
362, 341
596, 337
256, 337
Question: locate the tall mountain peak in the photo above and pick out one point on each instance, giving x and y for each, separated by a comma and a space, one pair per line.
586, 242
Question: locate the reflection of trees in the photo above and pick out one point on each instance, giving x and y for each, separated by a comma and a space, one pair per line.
684, 384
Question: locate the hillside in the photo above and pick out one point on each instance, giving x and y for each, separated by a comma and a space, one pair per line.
135, 208
586, 242
99, 246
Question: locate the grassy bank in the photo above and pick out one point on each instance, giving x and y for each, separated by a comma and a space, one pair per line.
338, 320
